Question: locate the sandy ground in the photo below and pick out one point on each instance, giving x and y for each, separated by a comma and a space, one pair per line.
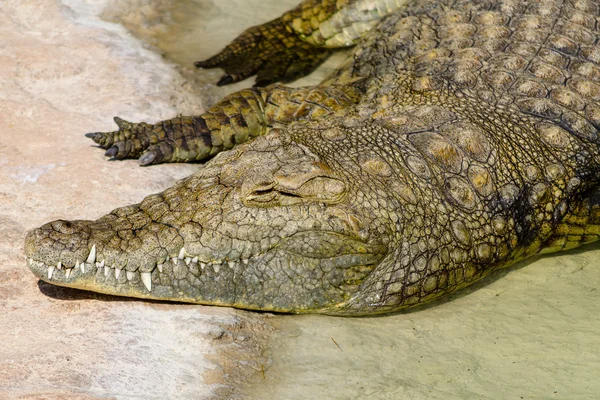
64, 72
533, 333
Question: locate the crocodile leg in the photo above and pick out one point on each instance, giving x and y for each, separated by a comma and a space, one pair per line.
281, 50
293, 45
235, 119
269, 51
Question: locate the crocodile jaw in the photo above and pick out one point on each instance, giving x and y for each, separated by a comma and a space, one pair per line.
185, 278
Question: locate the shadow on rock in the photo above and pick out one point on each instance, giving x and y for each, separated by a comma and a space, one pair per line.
65, 293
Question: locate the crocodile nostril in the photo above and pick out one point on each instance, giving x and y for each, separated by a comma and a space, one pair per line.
64, 227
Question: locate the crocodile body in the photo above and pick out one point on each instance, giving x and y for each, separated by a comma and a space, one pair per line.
458, 138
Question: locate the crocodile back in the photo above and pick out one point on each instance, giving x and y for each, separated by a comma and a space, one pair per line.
487, 110
541, 58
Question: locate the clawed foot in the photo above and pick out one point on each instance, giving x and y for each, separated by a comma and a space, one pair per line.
151, 144
268, 51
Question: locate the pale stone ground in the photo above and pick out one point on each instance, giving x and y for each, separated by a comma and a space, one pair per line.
64, 72
533, 334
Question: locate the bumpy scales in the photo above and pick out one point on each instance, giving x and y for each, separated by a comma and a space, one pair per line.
458, 138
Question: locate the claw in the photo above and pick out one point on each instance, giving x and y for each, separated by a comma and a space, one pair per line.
147, 158
92, 135
225, 80
121, 123
212, 62
112, 151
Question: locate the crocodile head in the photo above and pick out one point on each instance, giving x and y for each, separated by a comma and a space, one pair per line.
272, 225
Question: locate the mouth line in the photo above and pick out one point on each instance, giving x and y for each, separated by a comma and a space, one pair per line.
91, 267
94, 271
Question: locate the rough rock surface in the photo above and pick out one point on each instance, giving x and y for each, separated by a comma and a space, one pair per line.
65, 72
532, 334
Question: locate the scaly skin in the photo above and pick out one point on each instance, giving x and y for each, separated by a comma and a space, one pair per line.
459, 137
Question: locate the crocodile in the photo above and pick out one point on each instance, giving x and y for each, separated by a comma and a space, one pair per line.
458, 138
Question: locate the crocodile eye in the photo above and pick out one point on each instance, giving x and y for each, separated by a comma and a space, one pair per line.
268, 197
262, 196
292, 184
318, 189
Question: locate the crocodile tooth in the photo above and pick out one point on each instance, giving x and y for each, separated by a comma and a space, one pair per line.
216, 268
106, 270
59, 266
117, 273
182, 253
245, 261
188, 260
92, 257
175, 260
167, 259
147, 280
129, 275
50, 272
68, 272
160, 267
231, 264
202, 265
101, 264
195, 259
80, 266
